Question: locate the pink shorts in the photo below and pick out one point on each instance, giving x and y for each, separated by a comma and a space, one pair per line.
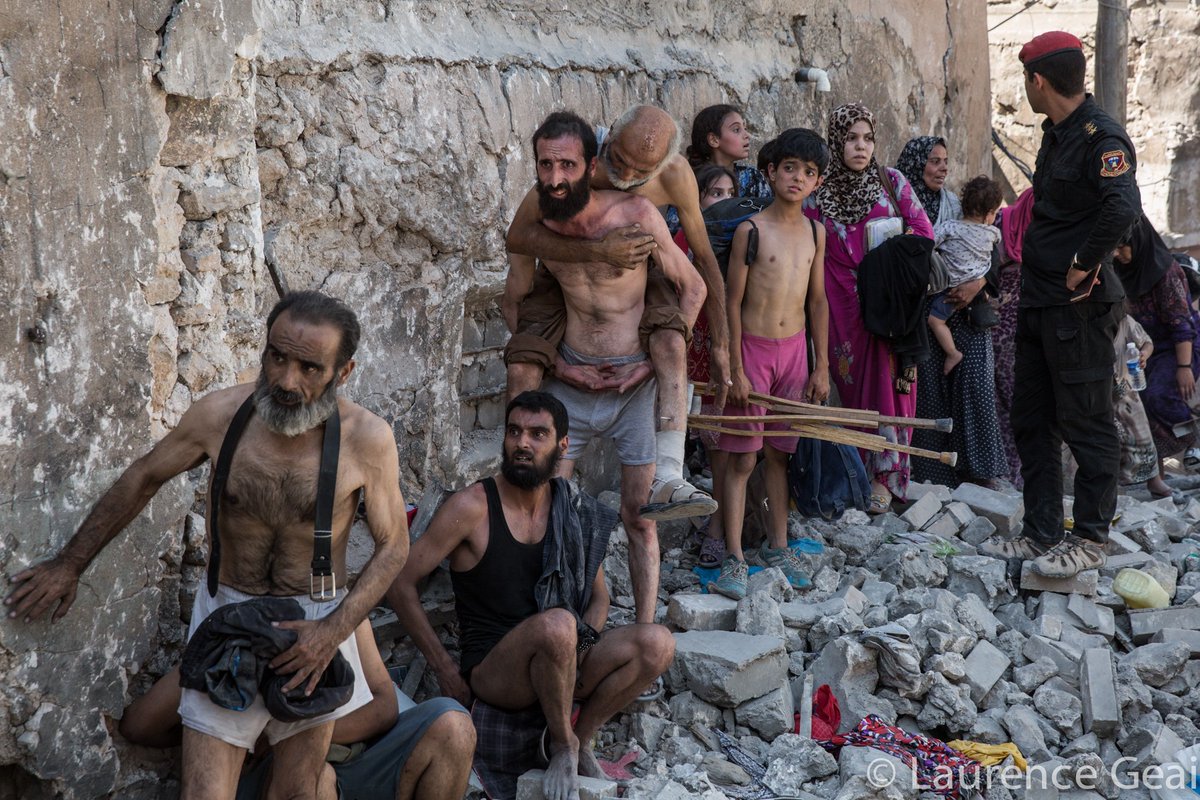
778, 367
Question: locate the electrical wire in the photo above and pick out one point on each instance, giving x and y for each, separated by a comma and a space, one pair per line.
1021, 165
1028, 5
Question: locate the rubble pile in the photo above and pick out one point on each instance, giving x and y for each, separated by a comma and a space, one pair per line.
907, 622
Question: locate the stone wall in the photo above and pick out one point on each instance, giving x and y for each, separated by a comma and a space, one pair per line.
1163, 99
185, 160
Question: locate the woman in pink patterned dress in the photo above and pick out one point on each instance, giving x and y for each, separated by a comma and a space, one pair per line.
862, 366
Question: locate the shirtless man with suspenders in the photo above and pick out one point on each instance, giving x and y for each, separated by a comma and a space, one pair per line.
265, 539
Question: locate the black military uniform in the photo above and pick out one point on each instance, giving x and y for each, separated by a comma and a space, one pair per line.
1085, 199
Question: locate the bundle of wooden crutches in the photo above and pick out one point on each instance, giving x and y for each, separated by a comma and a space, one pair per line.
825, 422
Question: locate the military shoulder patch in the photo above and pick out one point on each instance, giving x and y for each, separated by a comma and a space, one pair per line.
1089, 128
1115, 164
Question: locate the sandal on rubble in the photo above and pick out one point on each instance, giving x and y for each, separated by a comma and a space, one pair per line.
880, 504
675, 499
1191, 457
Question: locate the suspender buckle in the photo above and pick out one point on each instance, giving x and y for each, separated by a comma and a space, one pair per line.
322, 583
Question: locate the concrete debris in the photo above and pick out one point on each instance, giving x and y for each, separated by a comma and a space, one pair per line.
945, 644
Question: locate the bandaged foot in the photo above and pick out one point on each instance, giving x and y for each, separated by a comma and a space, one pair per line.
561, 781
672, 497
675, 499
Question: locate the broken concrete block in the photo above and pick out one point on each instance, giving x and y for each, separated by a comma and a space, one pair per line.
849, 669
1151, 537
1026, 733
918, 490
1084, 583
1115, 564
1048, 625
1029, 677
687, 709
799, 614
943, 525
962, 513
1074, 641
951, 666
794, 761
876, 770
702, 612
1101, 706
1156, 664
1004, 511
770, 715
1040, 647
890, 522
1144, 623
1167, 575
1168, 635
946, 704
529, 787
1062, 708
1094, 618
972, 612
1161, 750
985, 665
855, 600
758, 615
980, 575
922, 511
647, 730
878, 593
728, 668
771, 581
977, 531
1120, 544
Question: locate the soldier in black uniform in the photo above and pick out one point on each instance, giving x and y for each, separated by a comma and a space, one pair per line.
1086, 198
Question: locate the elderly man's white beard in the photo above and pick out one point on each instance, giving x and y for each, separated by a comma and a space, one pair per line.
292, 420
625, 186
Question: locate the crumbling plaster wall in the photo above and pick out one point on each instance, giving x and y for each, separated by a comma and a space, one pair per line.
1162, 101
166, 165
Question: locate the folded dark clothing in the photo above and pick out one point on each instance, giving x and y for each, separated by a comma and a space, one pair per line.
227, 659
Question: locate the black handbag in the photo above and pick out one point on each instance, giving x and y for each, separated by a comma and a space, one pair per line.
982, 314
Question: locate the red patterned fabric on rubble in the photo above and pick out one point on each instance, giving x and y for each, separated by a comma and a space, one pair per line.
938, 767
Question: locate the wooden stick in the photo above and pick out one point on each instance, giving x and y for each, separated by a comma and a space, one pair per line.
851, 416
866, 441
863, 417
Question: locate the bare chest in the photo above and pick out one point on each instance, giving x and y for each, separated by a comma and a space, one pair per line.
273, 491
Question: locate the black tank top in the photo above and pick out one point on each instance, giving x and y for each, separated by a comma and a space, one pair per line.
495, 595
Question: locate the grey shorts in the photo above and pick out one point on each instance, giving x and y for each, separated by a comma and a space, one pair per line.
374, 774
627, 419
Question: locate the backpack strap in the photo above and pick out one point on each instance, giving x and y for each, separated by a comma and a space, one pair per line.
751, 244
847, 453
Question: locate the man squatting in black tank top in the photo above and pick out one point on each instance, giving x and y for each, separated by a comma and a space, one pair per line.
526, 639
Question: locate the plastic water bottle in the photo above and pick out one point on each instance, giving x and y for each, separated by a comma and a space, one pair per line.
1137, 376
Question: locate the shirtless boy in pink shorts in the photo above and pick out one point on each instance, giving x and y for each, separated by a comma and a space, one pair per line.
773, 302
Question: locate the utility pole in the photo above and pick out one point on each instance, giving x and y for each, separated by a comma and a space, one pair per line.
1112, 46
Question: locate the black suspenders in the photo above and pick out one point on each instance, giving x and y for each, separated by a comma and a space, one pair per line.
322, 562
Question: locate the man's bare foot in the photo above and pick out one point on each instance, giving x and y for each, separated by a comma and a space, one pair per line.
561, 781
589, 767
952, 361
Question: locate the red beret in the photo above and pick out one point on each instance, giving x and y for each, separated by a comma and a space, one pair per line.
1048, 44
